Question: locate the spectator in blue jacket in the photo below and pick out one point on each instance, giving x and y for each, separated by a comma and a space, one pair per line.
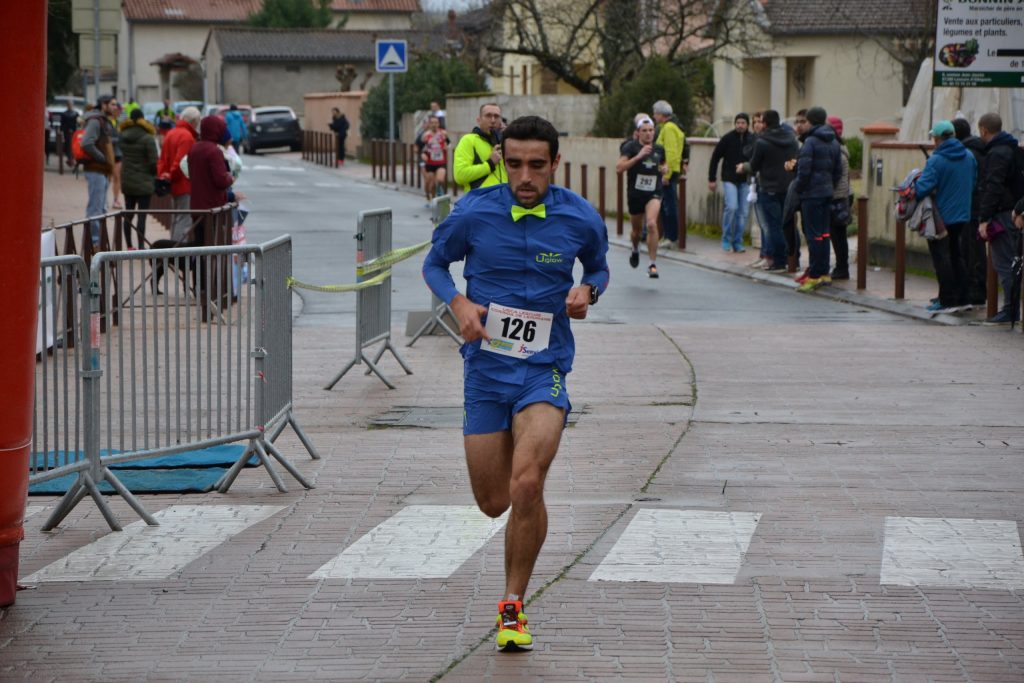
949, 177
818, 170
236, 126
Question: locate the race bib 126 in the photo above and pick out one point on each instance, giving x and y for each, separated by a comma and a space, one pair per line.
516, 332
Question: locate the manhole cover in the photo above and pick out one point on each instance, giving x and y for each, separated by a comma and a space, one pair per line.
436, 417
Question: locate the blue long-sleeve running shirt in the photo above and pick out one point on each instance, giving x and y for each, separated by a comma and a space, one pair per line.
525, 264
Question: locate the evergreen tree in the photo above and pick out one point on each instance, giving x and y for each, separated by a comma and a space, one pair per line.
429, 79
293, 14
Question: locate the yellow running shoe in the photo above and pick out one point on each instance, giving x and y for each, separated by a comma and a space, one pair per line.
513, 633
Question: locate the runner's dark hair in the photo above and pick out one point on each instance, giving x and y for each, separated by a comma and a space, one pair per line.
532, 128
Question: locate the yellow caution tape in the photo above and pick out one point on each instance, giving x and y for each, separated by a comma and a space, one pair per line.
389, 259
380, 265
355, 286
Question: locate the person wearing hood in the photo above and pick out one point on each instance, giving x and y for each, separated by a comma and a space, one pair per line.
996, 202
208, 170
138, 172
177, 143
774, 146
477, 160
729, 152
948, 177
819, 169
972, 248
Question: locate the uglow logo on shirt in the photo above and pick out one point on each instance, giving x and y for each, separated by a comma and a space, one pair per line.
548, 257
501, 344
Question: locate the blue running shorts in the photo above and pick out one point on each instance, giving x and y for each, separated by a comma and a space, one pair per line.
491, 404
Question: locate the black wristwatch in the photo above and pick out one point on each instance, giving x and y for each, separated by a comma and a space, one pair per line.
594, 294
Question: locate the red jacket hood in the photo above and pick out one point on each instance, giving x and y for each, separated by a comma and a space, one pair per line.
212, 129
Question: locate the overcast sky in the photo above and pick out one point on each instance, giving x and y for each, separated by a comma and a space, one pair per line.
445, 5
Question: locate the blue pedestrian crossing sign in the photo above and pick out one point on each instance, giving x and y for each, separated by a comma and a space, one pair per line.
392, 56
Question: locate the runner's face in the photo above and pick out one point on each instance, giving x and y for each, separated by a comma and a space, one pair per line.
645, 134
490, 118
530, 167
432, 124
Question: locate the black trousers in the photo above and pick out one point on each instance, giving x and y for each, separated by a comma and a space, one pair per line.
341, 147
135, 202
949, 266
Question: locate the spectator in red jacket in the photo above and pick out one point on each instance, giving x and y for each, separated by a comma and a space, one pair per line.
176, 145
208, 171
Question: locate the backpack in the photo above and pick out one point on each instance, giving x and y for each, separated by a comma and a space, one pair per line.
1016, 179
77, 152
906, 196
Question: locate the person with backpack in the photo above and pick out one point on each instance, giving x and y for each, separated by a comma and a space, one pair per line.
138, 173
949, 176
97, 157
477, 159
1002, 184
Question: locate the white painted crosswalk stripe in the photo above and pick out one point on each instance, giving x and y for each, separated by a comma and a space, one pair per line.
952, 553
421, 541
141, 552
680, 546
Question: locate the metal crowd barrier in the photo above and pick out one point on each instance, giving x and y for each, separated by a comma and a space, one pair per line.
440, 207
373, 303
200, 355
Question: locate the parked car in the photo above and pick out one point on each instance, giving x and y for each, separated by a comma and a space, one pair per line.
53, 113
149, 110
181, 105
274, 127
221, 110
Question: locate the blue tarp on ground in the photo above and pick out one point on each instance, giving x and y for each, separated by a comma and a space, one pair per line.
189, 472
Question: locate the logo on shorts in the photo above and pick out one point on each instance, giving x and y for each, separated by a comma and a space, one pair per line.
548, 257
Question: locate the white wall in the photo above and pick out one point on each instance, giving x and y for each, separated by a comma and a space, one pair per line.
851, 77
151, 42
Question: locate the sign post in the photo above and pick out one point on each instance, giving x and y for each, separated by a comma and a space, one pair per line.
979, 44
392, 58
96, 22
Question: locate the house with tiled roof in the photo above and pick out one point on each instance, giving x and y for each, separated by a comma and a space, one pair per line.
280, 66
160, 38
853, 57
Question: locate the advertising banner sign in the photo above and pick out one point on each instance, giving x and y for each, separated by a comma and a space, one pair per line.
979, 44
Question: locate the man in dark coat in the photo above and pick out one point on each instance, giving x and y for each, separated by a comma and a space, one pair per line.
339, 124
773, 148
818, 170
729, 152
994, 213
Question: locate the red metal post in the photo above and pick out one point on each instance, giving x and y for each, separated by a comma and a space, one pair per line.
583, 181
568, 175
600, 191
901, 259
618, 204
24, 24
991, 284
682, 212
862, 242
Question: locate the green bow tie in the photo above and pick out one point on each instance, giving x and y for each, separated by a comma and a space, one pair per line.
518, 212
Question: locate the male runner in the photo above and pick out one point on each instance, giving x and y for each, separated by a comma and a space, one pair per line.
477, 160
644, 164
435, 158
520, 241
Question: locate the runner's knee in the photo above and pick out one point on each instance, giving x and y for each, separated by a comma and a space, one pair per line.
493, 506
526, 487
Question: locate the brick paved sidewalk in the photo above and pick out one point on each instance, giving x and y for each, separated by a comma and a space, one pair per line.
881, 464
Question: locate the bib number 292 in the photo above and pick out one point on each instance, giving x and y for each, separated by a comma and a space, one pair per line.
516, 328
